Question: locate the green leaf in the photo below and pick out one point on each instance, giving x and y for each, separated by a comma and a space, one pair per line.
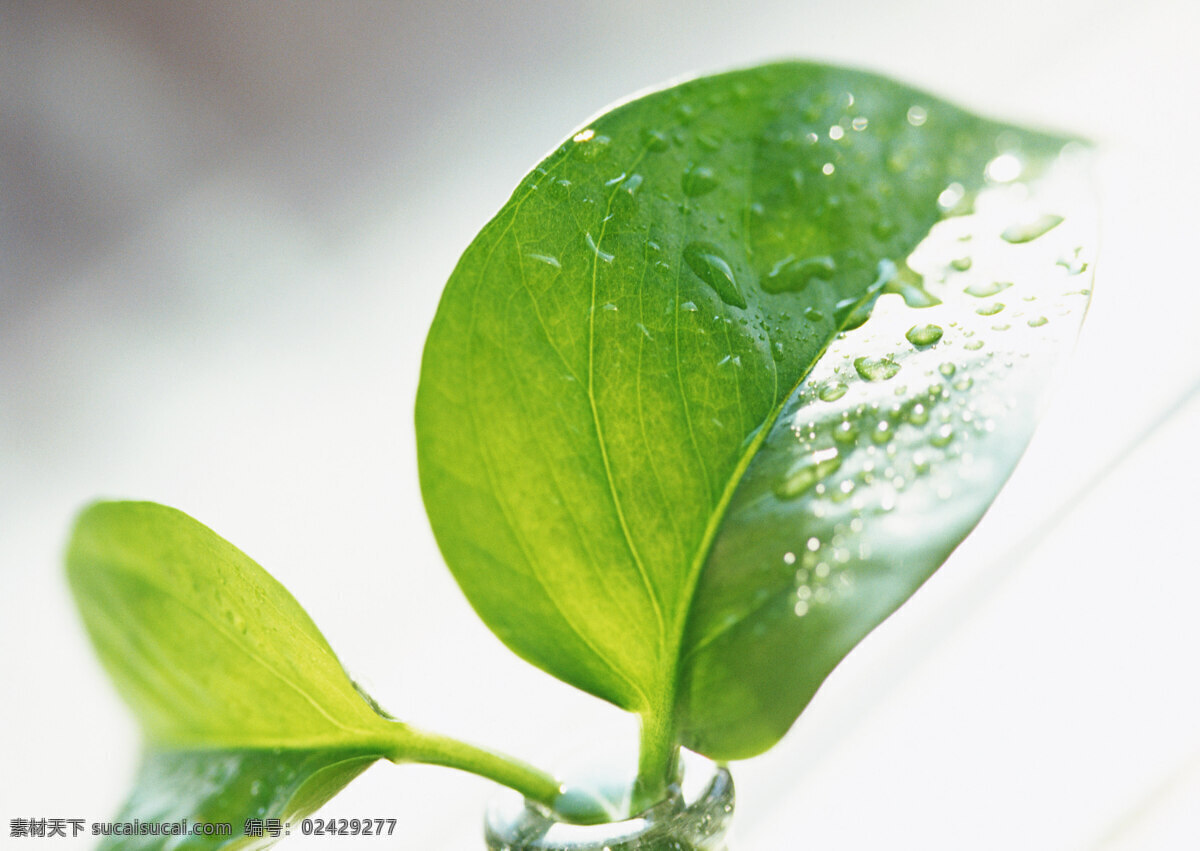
617, 344
231, 786
882, 460
246, 711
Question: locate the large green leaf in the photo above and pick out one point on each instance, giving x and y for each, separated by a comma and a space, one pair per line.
247, 712
617, 344
885, 457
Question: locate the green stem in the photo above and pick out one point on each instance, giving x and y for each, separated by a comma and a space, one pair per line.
658, 760
435, 749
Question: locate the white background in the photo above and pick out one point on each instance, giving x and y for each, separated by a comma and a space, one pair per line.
223, 232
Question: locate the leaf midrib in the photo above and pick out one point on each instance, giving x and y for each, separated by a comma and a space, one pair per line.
717, 516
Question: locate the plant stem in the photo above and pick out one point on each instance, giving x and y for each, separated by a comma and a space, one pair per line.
435, 749
658, 760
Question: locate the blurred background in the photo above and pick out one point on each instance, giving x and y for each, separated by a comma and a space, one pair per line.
224, 228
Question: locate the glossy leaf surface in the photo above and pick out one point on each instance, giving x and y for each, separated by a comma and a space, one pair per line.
886, 456
615, 347
247, 712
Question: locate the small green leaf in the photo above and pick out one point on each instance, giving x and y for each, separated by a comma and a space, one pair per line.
247, 712
231, 786
637, 323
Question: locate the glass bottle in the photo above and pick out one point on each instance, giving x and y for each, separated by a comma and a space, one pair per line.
694, 817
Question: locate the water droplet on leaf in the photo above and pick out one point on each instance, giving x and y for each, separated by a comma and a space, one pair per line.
943, 436
548, 259
987, 289
923, 335
831, 391
792, 275
1029, 231
876, 369
656, 141
595, 249
698, 180
706, 261
810, 471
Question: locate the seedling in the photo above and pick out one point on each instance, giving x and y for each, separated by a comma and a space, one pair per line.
727, 378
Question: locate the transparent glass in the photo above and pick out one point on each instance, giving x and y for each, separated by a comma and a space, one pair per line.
694, 817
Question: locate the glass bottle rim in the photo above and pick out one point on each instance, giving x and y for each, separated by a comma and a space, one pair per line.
702, 803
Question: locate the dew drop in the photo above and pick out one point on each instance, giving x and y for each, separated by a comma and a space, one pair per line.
943, 436
973, 345
1029, 231
1037, 321
923, 335
845, 433
918, 414
859, 123
990, 309
882, 432
805, 475
960, 264
987, 289
917, 115
831, 391
699, 180
827, 169
792, 275
689, 306
595, 249
876, 369
548, 259
907, 284
656, 141
706, 261
813, 315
